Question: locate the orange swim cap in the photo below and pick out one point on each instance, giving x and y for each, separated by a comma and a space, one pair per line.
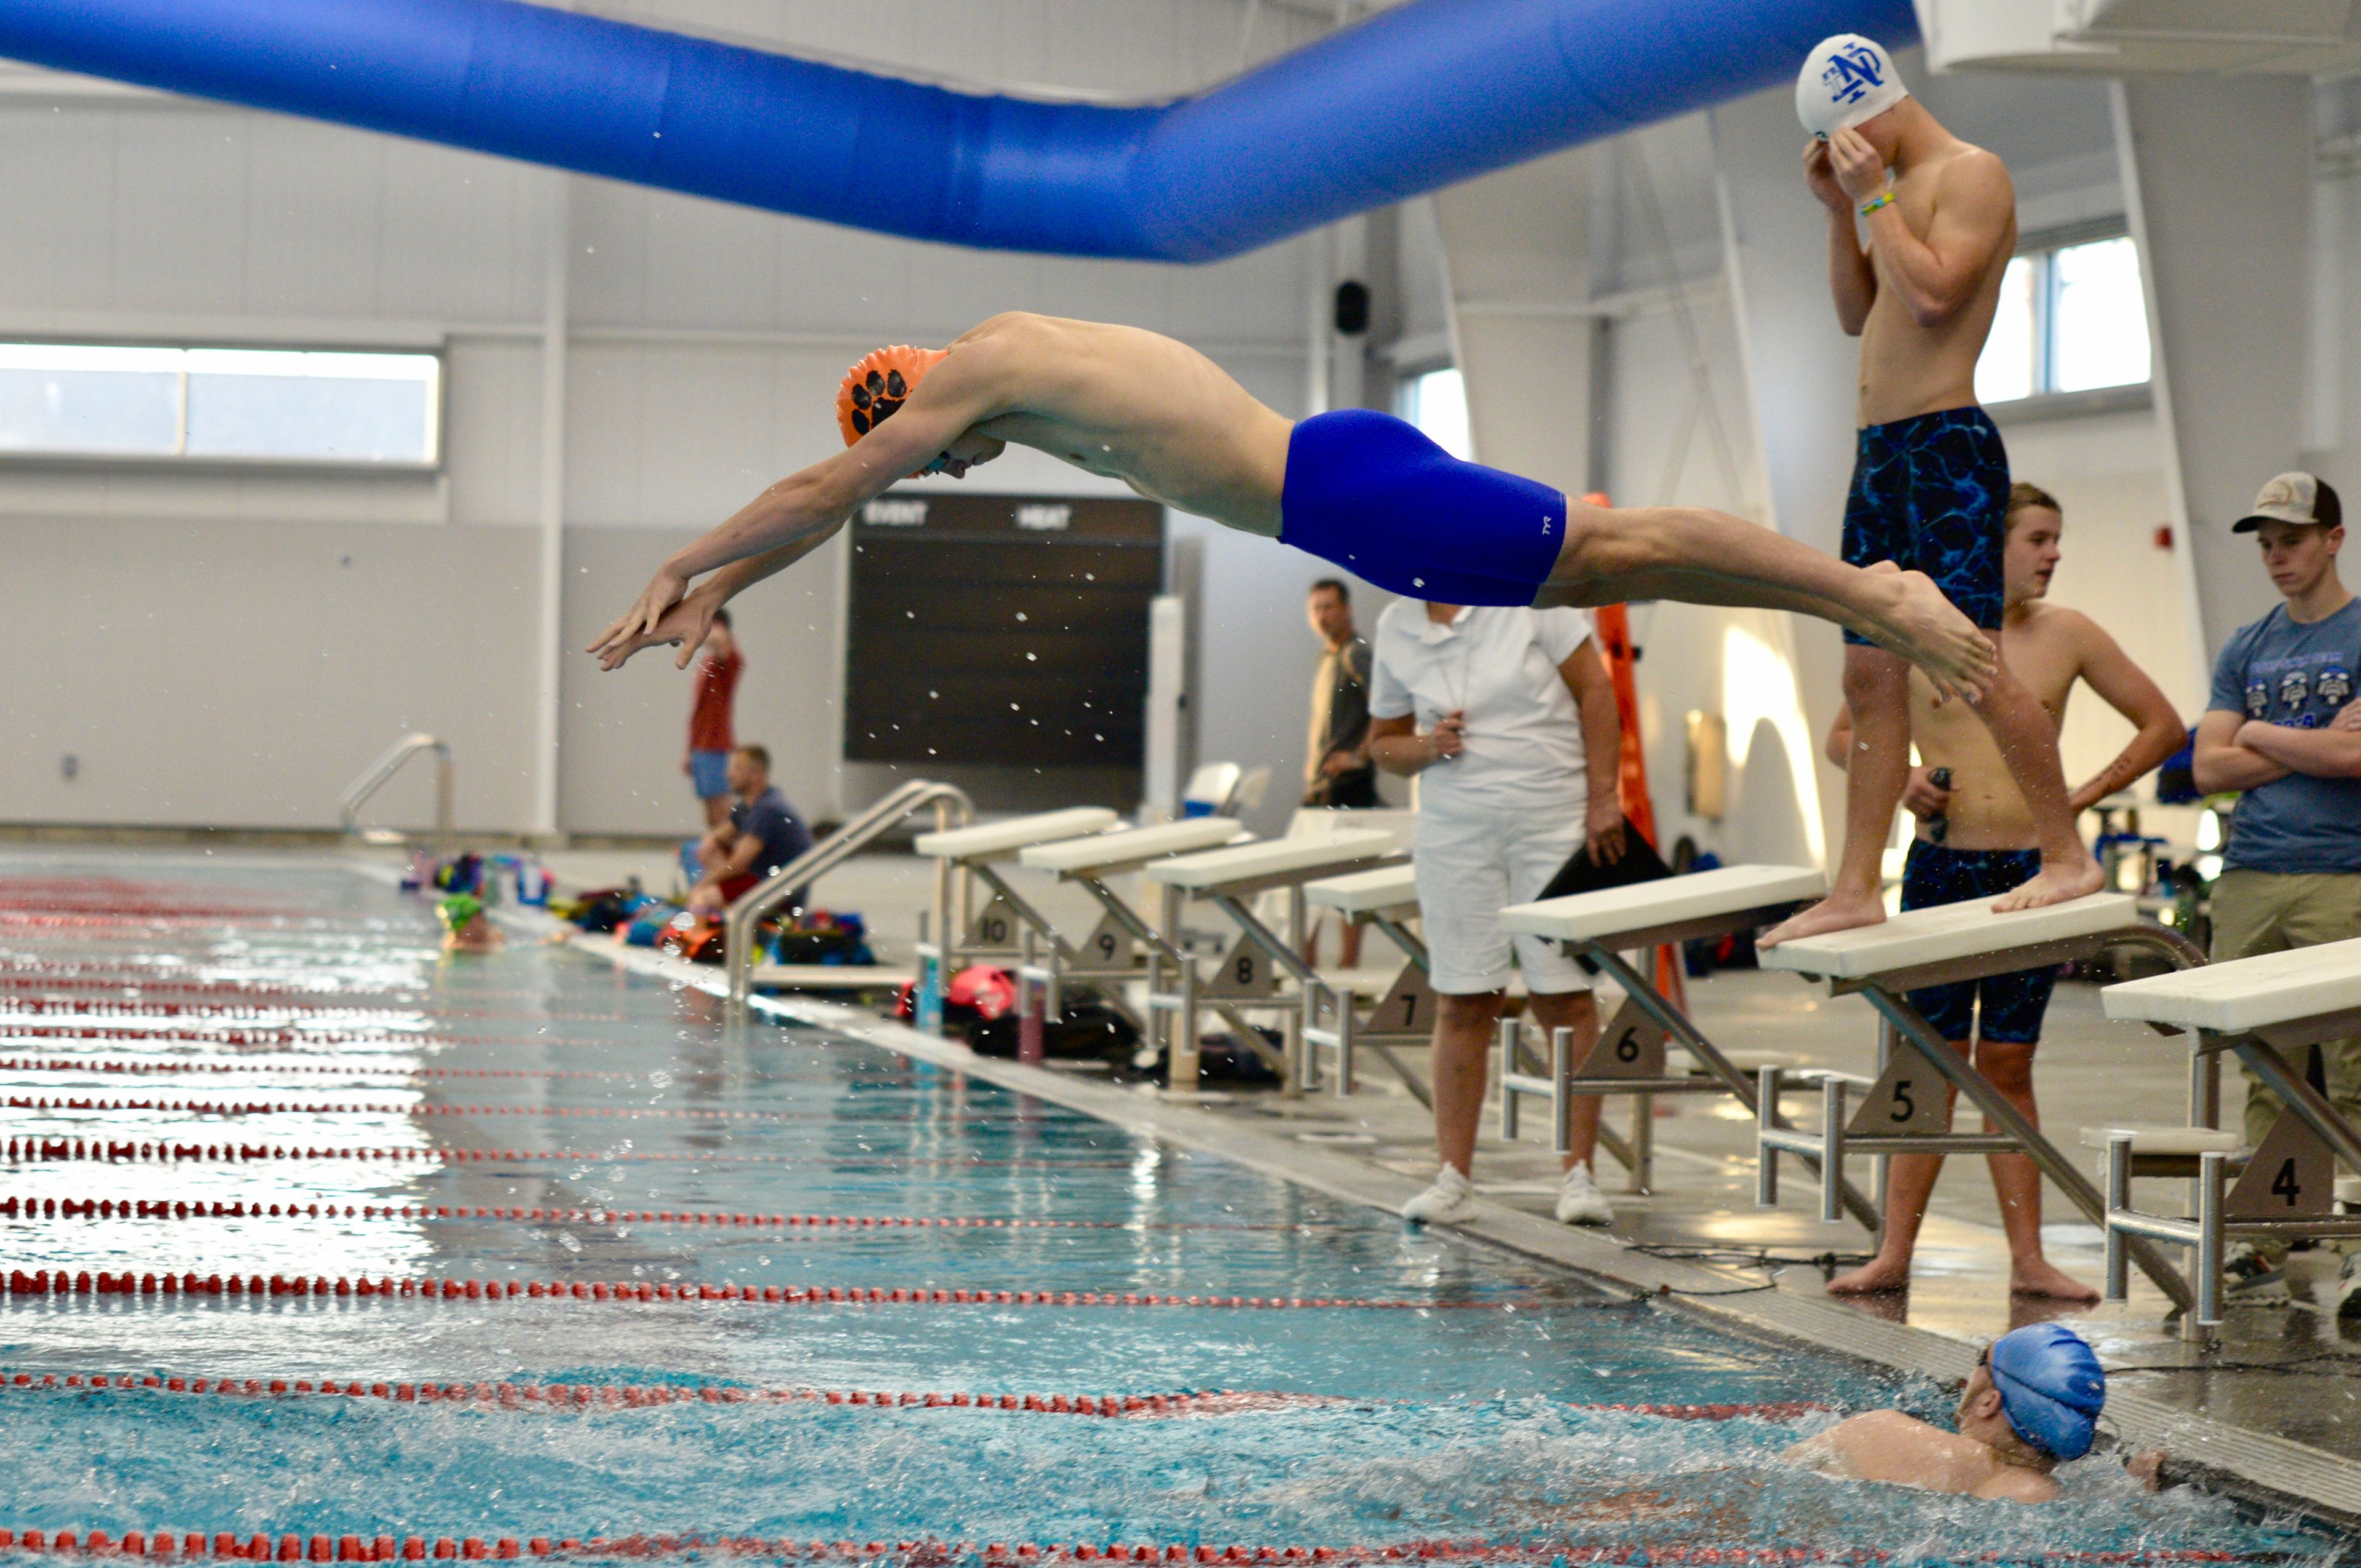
879, 385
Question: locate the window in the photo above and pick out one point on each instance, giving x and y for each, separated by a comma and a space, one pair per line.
2073, 318
1436, 401
235, 405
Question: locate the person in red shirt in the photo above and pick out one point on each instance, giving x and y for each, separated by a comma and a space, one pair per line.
710, 738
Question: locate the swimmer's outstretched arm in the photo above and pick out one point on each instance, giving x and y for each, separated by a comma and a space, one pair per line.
1709, 557
800, 513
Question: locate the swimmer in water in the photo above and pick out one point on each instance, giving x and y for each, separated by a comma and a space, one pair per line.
1362, 489
2032, 1402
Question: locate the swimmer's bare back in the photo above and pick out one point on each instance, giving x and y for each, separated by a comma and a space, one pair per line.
1165, 419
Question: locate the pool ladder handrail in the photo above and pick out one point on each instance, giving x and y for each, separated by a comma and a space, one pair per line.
952, 810
381, 772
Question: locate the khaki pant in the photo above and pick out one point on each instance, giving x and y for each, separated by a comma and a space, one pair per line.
2270, 912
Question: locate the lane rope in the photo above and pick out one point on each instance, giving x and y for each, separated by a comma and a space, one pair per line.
33, 1150
46, 1283
611, 1396
137, 1067
942, 1553
183, 1209
343, 1108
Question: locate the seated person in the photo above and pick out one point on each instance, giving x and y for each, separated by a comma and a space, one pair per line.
761, 838
2033, 1400
465, 927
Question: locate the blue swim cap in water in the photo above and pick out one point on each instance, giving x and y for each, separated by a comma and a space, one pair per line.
2051, 1387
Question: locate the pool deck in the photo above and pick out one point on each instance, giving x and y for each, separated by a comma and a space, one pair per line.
2272, 1408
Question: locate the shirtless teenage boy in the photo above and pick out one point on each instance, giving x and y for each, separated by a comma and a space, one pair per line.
1975, 840
1362, 489
1931, 477
2033, 1400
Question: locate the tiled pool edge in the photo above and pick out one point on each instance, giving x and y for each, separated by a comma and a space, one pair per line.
2239, 1460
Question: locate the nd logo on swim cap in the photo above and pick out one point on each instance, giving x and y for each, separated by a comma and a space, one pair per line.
874, 390
1845, 79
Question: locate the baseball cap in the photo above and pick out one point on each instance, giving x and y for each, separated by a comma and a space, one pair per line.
2294, 497
1845, 79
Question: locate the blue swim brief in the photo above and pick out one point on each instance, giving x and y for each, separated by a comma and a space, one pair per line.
1372, 493
709, 771
1931, 494
2012, 1004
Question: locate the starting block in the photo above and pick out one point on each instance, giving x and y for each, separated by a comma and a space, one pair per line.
1631, 1055
1902, 1110
2288, 1188
1248, 972
1387, 898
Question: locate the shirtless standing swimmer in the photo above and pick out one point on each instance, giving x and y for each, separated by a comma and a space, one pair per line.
1930, 481
1362, 489
1975, 840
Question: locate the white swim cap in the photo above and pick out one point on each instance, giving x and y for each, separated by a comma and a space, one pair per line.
1846, 80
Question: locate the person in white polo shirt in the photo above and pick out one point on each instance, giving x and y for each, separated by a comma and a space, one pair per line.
1507, 716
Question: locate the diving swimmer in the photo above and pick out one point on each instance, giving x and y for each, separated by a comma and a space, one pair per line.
2032, 1402
1362, 489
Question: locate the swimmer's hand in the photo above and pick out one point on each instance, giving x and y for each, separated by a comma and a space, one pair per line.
1859, 171
2348, 717
1822, 178
2147, 1468
1925, 798
685, 625
665, 589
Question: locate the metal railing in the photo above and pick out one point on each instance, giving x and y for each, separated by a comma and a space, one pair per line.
382, 772
952, 810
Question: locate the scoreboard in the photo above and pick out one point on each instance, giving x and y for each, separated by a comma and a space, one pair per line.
1000, 630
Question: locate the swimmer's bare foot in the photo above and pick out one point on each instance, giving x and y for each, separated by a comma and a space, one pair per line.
2039, 1277
1839, 911
2056, 884
1925, 628
1875, 1277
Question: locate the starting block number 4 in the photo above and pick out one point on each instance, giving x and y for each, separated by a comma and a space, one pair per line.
2291, 1177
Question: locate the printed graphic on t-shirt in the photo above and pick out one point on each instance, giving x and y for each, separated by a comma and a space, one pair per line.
2302, 691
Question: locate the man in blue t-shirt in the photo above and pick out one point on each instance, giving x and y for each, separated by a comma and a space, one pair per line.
2281, 728
763, 836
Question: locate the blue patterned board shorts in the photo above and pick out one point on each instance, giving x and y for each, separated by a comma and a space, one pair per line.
2013, 1004
1931, 494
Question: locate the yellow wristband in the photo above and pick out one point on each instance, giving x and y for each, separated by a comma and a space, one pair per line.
1883, 199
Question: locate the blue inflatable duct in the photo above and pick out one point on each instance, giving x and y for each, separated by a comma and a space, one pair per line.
1418, 97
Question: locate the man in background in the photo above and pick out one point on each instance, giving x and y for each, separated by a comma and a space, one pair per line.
710, 738
1337, 771
763, 836
1977, 839
2280, 727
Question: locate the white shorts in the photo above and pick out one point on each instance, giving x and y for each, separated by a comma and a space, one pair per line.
1470, 866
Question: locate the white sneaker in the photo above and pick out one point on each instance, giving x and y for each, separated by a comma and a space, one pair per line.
1579, 1201
1450, 1201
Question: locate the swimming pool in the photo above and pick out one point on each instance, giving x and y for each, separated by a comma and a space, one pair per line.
381, 1254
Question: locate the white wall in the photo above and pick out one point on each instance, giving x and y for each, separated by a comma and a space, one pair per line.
244, 672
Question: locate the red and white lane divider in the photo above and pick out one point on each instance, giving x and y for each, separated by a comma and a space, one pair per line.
611, 1396
139, 1069
46, 1282
34, 1150
81, 1007
348, 1108
275, 1034
183, 1209
940, 1553
637, 1395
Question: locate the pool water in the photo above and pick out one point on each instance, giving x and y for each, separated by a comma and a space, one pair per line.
438, 1132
